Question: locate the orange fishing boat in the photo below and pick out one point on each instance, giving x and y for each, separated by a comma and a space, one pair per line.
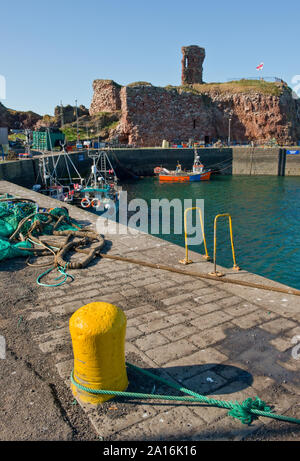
197, 174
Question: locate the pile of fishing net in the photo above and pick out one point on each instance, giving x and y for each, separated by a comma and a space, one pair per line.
19, 217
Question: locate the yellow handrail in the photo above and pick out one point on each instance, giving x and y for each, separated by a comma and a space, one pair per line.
206, 256
235, 266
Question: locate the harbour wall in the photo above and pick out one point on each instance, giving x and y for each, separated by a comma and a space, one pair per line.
259, 161
141, 162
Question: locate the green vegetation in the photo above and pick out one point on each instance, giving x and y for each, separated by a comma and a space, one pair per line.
70, 133
235, 86
171, 88
139, 84
111, 125
241, 86
16, 136
90, 132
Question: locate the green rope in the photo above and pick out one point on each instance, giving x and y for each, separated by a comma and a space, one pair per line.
62, 272
246, 412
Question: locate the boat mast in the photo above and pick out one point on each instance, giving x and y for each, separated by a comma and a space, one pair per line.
76, 120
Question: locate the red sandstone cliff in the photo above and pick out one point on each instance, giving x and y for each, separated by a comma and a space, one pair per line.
15, 119
259, 111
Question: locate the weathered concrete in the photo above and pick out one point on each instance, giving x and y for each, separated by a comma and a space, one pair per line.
257, 161
292, 165
25, 172
224, 340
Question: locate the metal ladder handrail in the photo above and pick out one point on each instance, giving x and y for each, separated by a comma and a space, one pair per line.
186, 260
235, 266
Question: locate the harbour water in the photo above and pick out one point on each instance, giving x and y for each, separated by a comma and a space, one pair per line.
265, 213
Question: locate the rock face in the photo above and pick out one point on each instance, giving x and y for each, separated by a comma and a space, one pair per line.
69, 113
14, 119
192, 64
106, 97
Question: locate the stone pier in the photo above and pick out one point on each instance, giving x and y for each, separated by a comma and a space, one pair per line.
221, 340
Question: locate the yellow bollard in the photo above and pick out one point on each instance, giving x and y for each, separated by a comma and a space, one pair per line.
98, 336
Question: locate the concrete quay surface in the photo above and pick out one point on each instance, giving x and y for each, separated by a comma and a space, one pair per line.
221, 340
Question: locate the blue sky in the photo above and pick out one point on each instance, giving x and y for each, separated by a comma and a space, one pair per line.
52, 51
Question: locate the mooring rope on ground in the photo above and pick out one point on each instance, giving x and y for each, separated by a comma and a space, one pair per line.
290, 291
247, 411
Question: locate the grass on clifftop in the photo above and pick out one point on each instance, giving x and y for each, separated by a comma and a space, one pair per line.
139, 84
240, 86
235, 86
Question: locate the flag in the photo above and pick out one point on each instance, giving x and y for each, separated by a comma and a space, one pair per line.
261, 65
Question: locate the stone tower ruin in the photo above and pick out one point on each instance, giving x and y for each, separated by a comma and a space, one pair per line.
192, 64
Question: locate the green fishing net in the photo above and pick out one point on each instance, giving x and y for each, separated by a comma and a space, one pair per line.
12, 213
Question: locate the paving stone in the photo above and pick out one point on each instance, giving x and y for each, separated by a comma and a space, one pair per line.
182, 307
210, 320
130, 292
195, 363
211, 336
151, 316
204, 383
208, 413
203, 292
278, 325
158, 285
240, 309
54, 334
37, 315
202, 309
162, 427
107, 425
209, 298
148, 281
234, 391
158, 324
50, 346
292, 364
226, 429
77, 296
230, 301
148, 341
262, 382
195, 285
255, 318
133, 322
176, 299
171, 351
178, 332
282, 344
181, 317
65, 368
112, 298
139, 311
67, 308
133, 332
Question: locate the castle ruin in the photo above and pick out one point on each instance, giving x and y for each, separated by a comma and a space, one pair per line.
149, 114
192, 64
